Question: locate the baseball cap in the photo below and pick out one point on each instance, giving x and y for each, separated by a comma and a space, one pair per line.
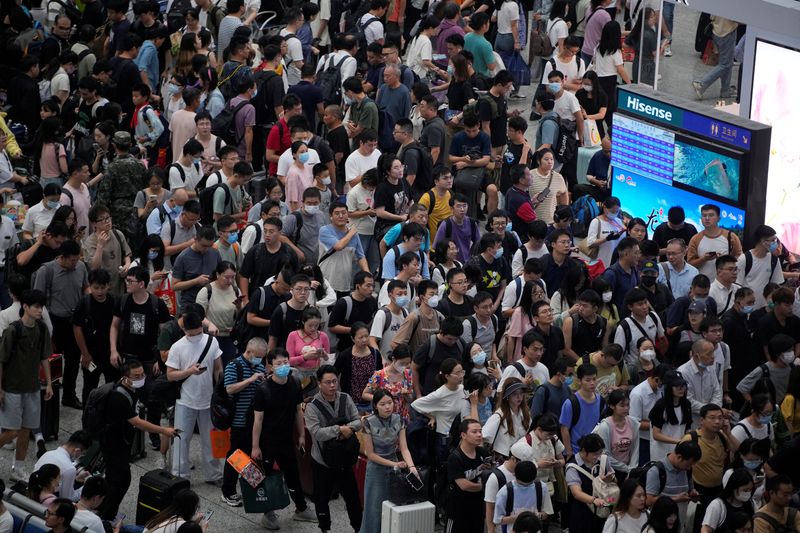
697, 307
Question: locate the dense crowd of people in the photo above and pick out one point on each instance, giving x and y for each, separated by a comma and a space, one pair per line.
341, 224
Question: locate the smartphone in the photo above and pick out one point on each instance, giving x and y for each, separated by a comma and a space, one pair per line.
544, 194
92, 367
208, 514
81, 229
203, 369
415, 482
152, 197
494, 364
117, 519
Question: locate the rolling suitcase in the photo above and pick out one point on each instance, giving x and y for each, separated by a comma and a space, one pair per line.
137, 444
157, 488
50, 413
360, 471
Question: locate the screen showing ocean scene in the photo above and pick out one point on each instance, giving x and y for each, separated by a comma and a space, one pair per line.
712, 172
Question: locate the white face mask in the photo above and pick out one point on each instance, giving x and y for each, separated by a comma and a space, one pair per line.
311, 209
788, 357
137, 383
607, 296
744, 496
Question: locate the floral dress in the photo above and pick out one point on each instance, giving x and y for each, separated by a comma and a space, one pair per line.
379, 381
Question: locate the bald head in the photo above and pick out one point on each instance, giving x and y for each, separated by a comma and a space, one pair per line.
180, 196
703, 353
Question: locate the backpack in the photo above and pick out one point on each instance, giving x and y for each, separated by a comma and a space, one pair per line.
163, 140
473, 324
259, 101
777, 527
603, 323
257, 230
696, 439
448, 229
359, 31
510, 495
640, 474
224, 124
11, 266
386, 122
329, 81
605, 490
566, 147
175, 17
243, 330
182, 173
432, 347
576, 408
584, 210
223, 405
424, 177
748, 263
337, 453
206, 198
472, 108
540, 44
93, 418
387, 318
298, 222
626, 330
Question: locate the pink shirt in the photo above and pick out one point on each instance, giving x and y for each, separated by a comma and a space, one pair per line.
621, 441
49, 162
295, 344
520, 324
297, 181
183, 128
81, 202
594, 28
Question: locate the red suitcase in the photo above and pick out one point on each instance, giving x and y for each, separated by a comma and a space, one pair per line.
56, 363
360, 471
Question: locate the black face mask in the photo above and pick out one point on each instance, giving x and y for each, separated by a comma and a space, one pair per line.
648, 281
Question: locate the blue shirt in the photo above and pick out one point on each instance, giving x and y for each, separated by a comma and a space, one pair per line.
188, 266
679, 282
589, 418
244, 398
524, 500
598, 166
147, 61
548, 130
154, 223
621, 282
393, 236
462, 144
329, 235
389, 270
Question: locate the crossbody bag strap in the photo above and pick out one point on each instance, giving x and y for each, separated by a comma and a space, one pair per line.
206, 349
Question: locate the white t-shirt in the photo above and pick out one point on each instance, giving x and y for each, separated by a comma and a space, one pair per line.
509, 12
37, 219
518, 265
93, 522
606, 250
196, 390
420, 49
739, 433
356, 164
624, 524
374, 31
716, 512
539, 372
324, 14
249, 236
383, 296
721, 245
287, 159
557, 29
360, 199
379, 330
653, 329
760, 274
7, 523
490, 492
496, 432
59, 82
572, 70
192, 174
295, 53
566, 106
606, 66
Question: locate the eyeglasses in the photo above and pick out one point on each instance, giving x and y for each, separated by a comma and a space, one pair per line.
128, 280
103, 219
301, 290
459, 373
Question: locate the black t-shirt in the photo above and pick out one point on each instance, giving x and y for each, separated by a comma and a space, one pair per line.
271, 302
769, 326
125, 74
260, 264
139, 326
434, 134
494, 274
497, 123
361, 312
119, 435
323, 149
94, 13
593, 106
429, 366
282, 323
395, 199
459, 93
663, 234
449, 308
279, 405
460, 502
511, 158
42, 255
94, 318
553, 343
339, 142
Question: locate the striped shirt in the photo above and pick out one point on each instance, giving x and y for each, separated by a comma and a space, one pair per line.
244, 399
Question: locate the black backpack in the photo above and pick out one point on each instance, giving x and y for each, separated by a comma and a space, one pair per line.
576, 408
748, 261
329, 81
359, 31
206, 198
338, 453
224, 124
566, 147
423, 181
640, 474
223, 405
510, 496
93, 418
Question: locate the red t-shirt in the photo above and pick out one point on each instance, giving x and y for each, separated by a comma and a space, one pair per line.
279, 144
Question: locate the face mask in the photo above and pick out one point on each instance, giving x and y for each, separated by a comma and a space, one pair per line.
612, 214
701, 366
752, 465
177, 210
303, 158
744, 496
304, 141
433, 301
52, 205
587, 88
554, 87
771, 305
255, 92
479, 358
172, 88
765, 419
194, 338
648, 281
348, 100
499, 253
196, 161
311, 209
650, 355
509, 226
326, 181
607, 296
152, 255
137, 383
233, 237
747, 309
773, 246
568, 381
399, 367
788, 357
700, 299
282, 371
402, 301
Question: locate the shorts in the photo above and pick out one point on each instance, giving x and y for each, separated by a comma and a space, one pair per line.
20, 410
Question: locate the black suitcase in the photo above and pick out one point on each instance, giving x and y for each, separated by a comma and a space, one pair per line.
157, 488
137, 444
50, 413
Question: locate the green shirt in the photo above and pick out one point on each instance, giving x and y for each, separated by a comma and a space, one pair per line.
365, 115
20, 358
482, 52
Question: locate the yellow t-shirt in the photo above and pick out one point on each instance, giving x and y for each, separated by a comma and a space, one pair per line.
607, 378
441, 210
708, 471
790, 409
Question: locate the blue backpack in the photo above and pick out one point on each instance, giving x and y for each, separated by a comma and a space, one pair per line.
584, 210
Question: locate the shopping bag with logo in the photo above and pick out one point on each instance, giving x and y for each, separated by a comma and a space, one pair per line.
247, 468
220, 443
591, 134
167, 294
270, 495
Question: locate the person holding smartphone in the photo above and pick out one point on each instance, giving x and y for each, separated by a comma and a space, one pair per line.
605, 230
548, 188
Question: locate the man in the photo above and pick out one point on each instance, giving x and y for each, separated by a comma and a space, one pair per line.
519, 204
210, 15
551, 395
409, 275
481, 327
178, 235
428, 357
498, 479
528, 493
471, 151
228, 157
419, 171
147, 59
301, 230
586, 331
677, 477
235, 10
75, 193
436, 201
422, 323
263, 262
698, 292
64, 457
125, 74
226, 245
172, 208
237, 68
711, 330
724, 36
322, 417
450, 26
518, 151
120, 25
339, 143
107, 248
760, 265
63, 282
375, 65
57, 41
724, 285
362, 159
363, 111
395, 299
780, 359
674, 228
342, 59
779, 320
287, 317
92, 495
294, 58
566, 106
597, 174
265, 301
231, 199
25, 347
465, 510
194, 266
59, 514
711, 242
738, 333
87, 107
433, 131
374, 33
413, 235
703, 386
531, 272
391, 56
123, 179
40, 215
340, 247
777, 514
455, 301
33, 255
528, 368
642, 399
183, 127
418, 214
268, 101
675, 272
496, 272
658, 294
196, 361
459, 228
581, 413
359, 306
476, 43
624, 275
559, 260
115, 442
23, 94
493, 113
611, 374
640, 322
245, 120
393, 96
186, 172
310, 96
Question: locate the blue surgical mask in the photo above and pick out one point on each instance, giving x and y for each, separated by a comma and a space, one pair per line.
177, 210
765, 419
196, 161
152, 255
771, 305
233, 237
479, 358
255, 92
303, 158
554, 87
747, 309
700, 299
509, 226
569, 380
701, 366
402, 301
752, 465
172, 88
499, 253
773, 246
282, 371
52, 205
348, 100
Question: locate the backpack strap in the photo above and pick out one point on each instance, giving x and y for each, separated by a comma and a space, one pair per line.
665, 269
509, 497
348, 302
539, 495
431, 201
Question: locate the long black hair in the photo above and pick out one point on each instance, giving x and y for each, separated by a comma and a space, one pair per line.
610, 39
660, 512
526, 302
668, 402
151, 241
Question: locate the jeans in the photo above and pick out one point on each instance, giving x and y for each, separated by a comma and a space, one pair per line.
185, 419
669, 16
325, 480
64, 339
726, 45
241, 439
118, 476
376, 490
371, 251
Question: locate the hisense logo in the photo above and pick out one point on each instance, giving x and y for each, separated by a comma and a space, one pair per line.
637, 105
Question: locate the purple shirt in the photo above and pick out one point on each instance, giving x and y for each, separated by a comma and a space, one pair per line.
464, 235
446, 29
594, 28
245, 118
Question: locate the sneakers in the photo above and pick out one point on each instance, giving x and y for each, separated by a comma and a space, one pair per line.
698, 89
75, 403
40, 449
11, 446
668, 51
165, 462
306, 515
233, 500
19, 475
270, 521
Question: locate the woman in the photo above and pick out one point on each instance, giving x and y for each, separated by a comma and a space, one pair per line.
211, 100
153, 195
190, 43
479, 363
418, 91
272, 191
392, 195
182, 509
557, 29
644, 41
481, 391
499, 223
758, 424
596, 18
581, 502
299, 177
222, 301
459, 90
663, 517
445, 256
357, 364
630, 513
594, 102
509, 42
543, 448
608, 65
206, 46
174, 97
384, 443
620, 433
419, 56
103, 151
307, 345
751, 455
790, 406
43, 484
151, 256
522, 319
608, 309
736, 497
509, 422
670, 417
50, 153
605, 230
544, 177
394, 378
565, 300
66, 214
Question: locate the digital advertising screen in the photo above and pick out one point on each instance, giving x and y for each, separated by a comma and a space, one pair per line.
714, 172
772, 104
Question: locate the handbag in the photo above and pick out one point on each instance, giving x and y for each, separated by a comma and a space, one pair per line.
605, 490
338, 453
591, 134
590, 251
401, 490
166, 293
270, 495
166, 391
469, 179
